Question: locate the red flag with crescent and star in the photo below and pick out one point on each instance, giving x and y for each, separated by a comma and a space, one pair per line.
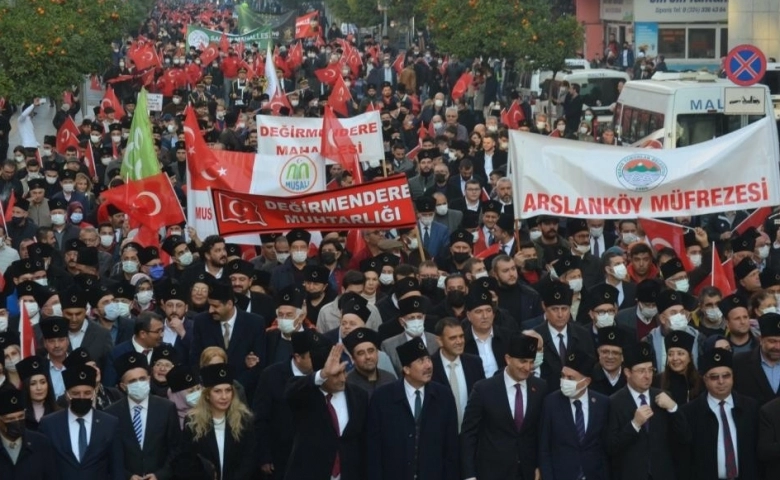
67, 135
111, 100
210, 53
144, 56
339, 148
149, 201
329, 74
339, 97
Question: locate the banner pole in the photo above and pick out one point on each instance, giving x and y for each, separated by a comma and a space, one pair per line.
420, 245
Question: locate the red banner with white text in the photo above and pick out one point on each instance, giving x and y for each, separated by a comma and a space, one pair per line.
385, 203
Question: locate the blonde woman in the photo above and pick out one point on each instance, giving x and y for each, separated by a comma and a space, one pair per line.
219, 426
214, 355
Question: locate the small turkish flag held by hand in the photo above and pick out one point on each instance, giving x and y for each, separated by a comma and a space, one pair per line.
110, 100
67, 135
462, 86
209, 54
398, 64
278, 101
339, 97
755, 220
329, 74
337, 146
664, 234
150, 201
514, 115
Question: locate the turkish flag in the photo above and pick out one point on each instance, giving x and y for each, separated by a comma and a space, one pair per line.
329, 74
354, 61
145, 56
147, 78
514, 115
94, 83
224, 44
664, 234
422, 132
307, 25
110, 100
491, 250
755, 219
120, 78
444, 64
504, 117
67, 135
26, 335
398, 64
295, 58
234, 209
337, 146
339, 97
210, 53
278, 101
412, 154
214, 168
89, 160
150, 201
240, 49
9, 208
462, 85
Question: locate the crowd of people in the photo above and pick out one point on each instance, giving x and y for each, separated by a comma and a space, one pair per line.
468, 347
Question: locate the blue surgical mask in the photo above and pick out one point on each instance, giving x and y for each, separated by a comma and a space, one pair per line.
192, 398
76, 217
156, 272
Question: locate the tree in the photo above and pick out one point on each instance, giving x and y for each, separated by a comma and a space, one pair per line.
525, 30
360, 12
48, 45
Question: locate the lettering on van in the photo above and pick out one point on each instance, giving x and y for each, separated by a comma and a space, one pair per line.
708, 104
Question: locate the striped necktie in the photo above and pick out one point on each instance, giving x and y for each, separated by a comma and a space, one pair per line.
138, 425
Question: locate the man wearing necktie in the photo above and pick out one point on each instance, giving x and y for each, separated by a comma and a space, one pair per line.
85, 440
499, 435
645, 426
572, 446
413, 423
724, 425
435, 236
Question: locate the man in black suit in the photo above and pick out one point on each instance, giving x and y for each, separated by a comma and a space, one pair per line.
601, 239
24, 454
148, 424
751, 369
573, 426
241, 275
147, 335
177, 329
241, 334
522, 301
645, 424
273, 416
599, 306
500, 426
330, 421
470, 201
363, 346
413, 423
560, 334
615, 273
483, 339
85, 440
82, 332
717, 420
452, 366
607, 377
289, 317
579, 244
769, 437
490, 157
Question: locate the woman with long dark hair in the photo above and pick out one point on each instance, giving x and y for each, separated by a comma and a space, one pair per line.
38, 393
680, 378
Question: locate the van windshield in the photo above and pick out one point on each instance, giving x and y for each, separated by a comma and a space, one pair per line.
772, 80
696, 128
600, 92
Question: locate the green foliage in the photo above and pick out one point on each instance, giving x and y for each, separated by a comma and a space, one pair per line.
48, 45
362, 13
520, 29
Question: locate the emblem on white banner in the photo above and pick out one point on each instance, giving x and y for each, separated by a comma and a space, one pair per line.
641, 172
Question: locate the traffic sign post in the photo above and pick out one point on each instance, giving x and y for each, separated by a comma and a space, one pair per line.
745, 65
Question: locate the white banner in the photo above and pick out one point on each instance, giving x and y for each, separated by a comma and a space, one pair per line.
586, 180
286, 137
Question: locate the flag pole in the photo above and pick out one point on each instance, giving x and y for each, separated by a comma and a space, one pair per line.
420, 245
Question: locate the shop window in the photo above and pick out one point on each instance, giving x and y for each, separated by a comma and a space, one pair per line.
701, 43
724, 42
671, 42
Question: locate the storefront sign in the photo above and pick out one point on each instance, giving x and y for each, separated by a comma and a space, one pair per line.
646, 38
680, 11
618, 10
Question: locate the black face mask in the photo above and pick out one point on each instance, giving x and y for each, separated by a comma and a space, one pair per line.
14, 430
460, 257
456, 298
80, 406
429, 285
17, 220
531, 264
440, 177
328, 258
315, 295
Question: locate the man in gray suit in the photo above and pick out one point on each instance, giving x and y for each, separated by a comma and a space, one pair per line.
95, 339
425, 177
448, 217
412, 318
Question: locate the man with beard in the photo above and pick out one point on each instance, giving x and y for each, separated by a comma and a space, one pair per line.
425, 179
413, 423
241, 275
363, 346
214, 256
521, 300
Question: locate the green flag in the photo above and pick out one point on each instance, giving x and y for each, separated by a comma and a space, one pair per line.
139, 160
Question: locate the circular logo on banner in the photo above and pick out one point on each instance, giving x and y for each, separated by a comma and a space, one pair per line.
198, 39
641, 172
299, 174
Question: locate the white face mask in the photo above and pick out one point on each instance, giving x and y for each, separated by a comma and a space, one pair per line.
678, 321
582, 248
32, 308
426, 220
51, 180
386, 279
139, 391
569, 388
539, 359
299, 257
481, 275
58, 219
105, 160
629, 238
441, 282
541, 125
116, 138
123, 309
596, 232
185, 258
286, 325
605, 320
282, 257
437, 125
415, 328
192, 398
620, 271
106, 240
129, 266
94, 138
44, 282
769, 310
145, 297
648, 312
475, 236
695, 259
713, 313
575, 285
413, 244
438, 103
441, 209
3, 324
583, 130
763, 252
10, 363
561, 128
535, 234
68, 187
682, 285
56, 309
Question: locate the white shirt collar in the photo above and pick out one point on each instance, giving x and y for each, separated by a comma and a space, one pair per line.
636, 394
87, 418
489, 338
409, 389
715, 403
447, 363
144, 404
554, 333
511, 382
296, 371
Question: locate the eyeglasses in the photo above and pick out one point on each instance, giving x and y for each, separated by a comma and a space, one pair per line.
156, 332
643, 371
714, 377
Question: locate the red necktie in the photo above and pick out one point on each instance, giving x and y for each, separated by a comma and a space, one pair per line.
336, 470
728, 444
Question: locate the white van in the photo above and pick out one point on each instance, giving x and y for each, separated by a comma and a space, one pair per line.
530, 81
679, 109
598, 89
772, 80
